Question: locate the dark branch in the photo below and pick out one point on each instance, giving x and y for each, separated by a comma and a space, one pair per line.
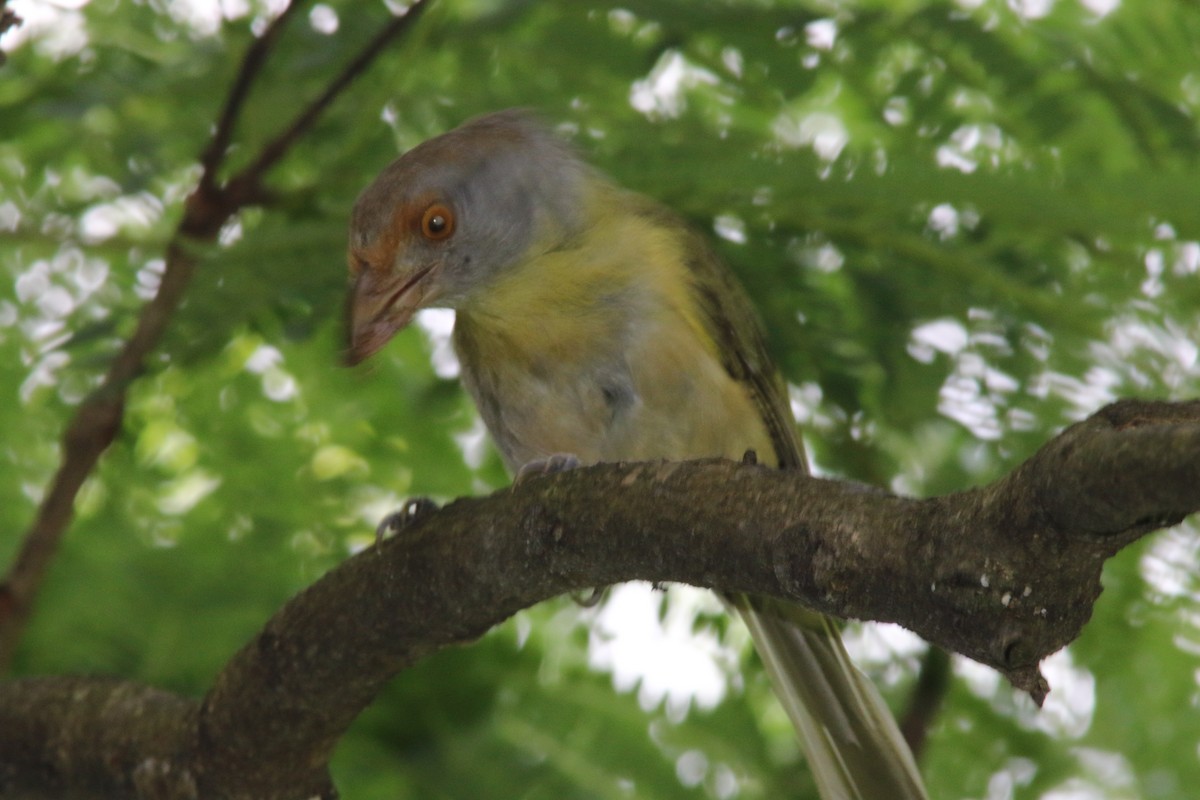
1005, 574
282, 143
252, 64
933, 681
63, 730
99, 417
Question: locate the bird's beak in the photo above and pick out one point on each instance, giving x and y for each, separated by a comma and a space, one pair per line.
380, 305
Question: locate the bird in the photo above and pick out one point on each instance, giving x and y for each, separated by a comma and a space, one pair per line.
593, 324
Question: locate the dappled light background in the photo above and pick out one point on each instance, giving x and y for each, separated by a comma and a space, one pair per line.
966, 224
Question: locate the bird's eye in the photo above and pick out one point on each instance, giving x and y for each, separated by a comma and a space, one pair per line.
437, 223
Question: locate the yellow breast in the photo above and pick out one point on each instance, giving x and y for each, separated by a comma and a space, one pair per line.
598, 349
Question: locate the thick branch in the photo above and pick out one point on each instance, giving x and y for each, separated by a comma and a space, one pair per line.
92, 737
1005, 574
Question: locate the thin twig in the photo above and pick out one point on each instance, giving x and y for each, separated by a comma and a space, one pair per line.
98, 418
928, 695
252, 64
280, 145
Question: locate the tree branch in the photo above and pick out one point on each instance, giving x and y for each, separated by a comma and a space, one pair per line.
305, 119
252, 64
925, 703
92, 737
1005, 574
99, 416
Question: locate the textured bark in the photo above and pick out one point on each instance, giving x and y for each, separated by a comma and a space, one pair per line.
1005, 574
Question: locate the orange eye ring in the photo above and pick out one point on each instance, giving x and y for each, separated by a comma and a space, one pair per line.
437, 223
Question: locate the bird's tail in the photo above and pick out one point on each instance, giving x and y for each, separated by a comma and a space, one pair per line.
851, 740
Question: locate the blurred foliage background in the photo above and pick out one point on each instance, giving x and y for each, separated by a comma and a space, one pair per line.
966, 224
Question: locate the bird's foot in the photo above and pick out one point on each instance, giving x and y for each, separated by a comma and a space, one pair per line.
400, 519
555, 462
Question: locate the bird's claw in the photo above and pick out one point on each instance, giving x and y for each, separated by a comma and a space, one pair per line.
555, 462
403, 517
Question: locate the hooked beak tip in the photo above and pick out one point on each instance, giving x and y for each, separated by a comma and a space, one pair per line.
377, 309
366, 341
368, 338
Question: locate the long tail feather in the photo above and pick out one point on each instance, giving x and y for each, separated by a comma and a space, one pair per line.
851, 740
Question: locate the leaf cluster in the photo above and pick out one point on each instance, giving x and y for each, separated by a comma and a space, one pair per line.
964, 227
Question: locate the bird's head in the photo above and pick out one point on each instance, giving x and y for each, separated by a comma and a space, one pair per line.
448, 216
